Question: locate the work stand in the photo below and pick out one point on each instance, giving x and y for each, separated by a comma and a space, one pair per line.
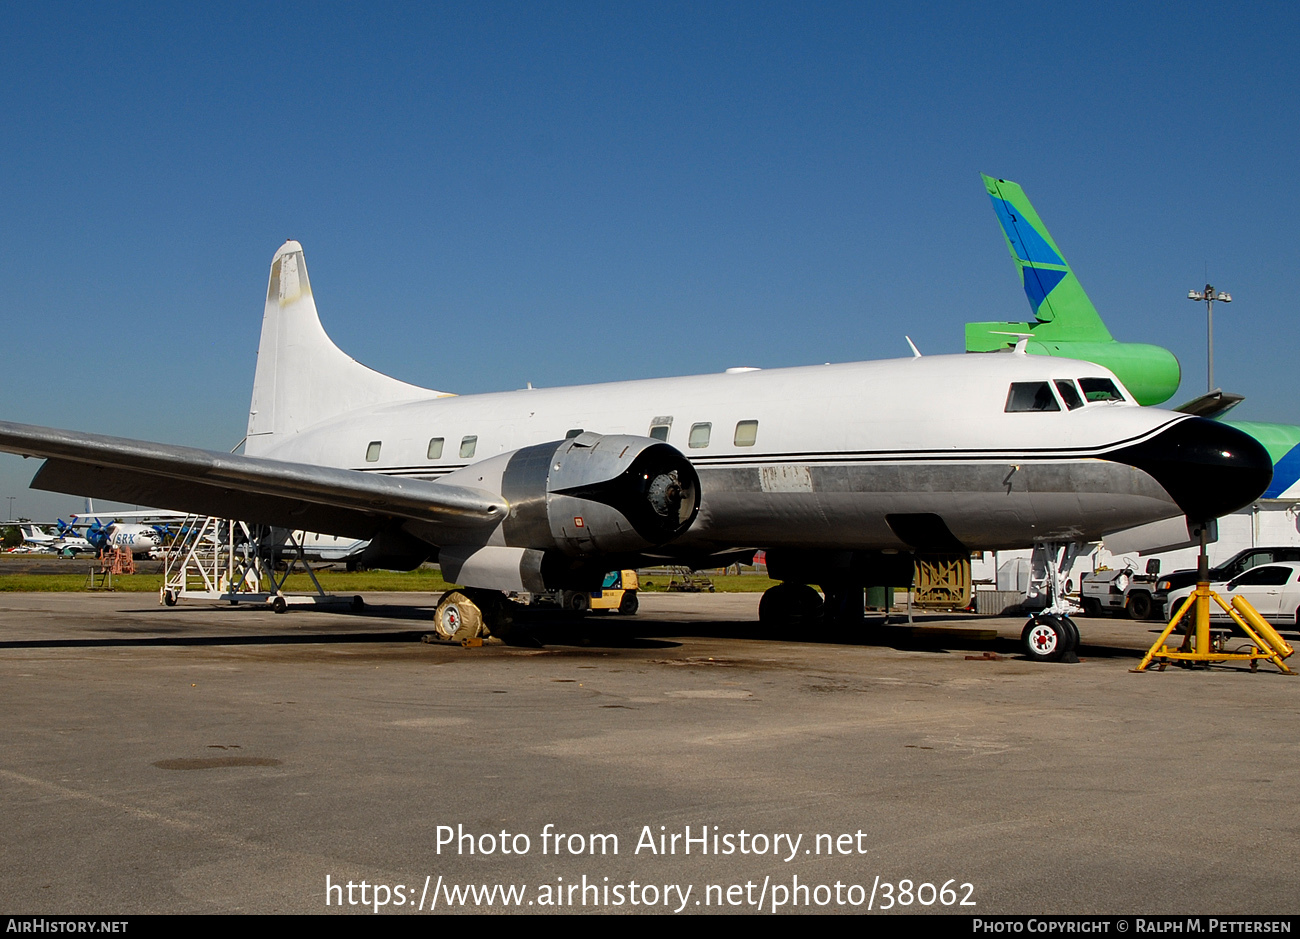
1203, 646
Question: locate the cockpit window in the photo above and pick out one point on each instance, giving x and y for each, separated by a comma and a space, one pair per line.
1100, 389
1069, 394
1031, 396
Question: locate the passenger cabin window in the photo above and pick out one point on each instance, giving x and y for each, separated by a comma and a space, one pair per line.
435, 449
1069, 394
1031, 396
467, 447
1100, 389
746, 433
659, 428
570, 434
699, 435
372, 451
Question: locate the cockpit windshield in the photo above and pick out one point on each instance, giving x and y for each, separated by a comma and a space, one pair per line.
1100, 389
1031, 396
1069, 394
1038, 395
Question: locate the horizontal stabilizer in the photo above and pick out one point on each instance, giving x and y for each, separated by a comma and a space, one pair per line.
262, 491
1211, 404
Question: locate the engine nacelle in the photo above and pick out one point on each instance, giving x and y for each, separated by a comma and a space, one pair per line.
590, 495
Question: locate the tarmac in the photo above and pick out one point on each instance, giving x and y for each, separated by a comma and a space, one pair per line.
210, 759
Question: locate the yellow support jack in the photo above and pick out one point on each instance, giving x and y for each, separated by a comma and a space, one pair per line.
1268, 645
1199, 647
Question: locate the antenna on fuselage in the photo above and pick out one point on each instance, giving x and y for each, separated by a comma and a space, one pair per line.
1022, 341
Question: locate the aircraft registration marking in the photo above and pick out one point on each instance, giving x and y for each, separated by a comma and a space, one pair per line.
785, 478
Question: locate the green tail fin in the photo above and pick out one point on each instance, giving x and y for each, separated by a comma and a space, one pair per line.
1065, 321
1055, 295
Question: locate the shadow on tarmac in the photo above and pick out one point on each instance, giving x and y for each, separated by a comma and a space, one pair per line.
543, 629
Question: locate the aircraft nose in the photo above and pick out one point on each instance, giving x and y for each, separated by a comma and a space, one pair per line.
1210, 469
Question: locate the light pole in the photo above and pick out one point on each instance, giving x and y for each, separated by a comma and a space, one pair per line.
11, 506
1209, 296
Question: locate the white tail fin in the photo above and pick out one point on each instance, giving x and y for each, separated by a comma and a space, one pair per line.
302, 377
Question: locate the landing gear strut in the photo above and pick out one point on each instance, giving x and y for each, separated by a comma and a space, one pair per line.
1051, 635
844, 606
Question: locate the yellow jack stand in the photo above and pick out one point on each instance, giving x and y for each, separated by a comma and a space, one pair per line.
1268, 644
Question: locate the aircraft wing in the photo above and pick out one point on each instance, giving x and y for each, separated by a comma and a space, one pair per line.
292, 495
144, 515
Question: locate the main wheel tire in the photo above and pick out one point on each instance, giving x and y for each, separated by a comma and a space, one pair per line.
1139, 606
790, 609
1046, 638
497, 613
1073, 627
629, 604
457, 617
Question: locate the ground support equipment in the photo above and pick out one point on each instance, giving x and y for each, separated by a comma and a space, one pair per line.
1199, 645
226, 560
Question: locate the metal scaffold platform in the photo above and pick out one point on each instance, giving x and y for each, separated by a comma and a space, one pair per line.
231, 561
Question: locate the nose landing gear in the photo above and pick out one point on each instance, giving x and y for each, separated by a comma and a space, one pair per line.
1051, 635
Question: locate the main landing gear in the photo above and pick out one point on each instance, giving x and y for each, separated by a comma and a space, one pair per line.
790, 609
468, 613
1051, 635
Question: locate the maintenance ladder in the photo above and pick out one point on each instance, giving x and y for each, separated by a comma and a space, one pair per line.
227, 560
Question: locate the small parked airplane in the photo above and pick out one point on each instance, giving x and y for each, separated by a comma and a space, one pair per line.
840, 472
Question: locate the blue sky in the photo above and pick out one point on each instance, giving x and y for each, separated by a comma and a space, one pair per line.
491, 194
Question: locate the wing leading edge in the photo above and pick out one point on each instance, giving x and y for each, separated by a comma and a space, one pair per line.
293, 495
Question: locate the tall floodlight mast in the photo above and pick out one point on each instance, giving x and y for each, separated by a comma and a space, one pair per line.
1209, 296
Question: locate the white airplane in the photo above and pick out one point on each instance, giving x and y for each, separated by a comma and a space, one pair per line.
840, 472
67, 542
141, 540
36, 537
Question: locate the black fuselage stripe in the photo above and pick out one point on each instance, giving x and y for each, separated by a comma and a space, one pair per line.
824, 461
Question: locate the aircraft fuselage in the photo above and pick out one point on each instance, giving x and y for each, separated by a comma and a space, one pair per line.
847, 456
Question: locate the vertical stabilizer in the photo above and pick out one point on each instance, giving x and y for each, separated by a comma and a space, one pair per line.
1065, 321
1054, 293
302, 377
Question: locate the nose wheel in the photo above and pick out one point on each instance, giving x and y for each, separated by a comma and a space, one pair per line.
1048, 637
